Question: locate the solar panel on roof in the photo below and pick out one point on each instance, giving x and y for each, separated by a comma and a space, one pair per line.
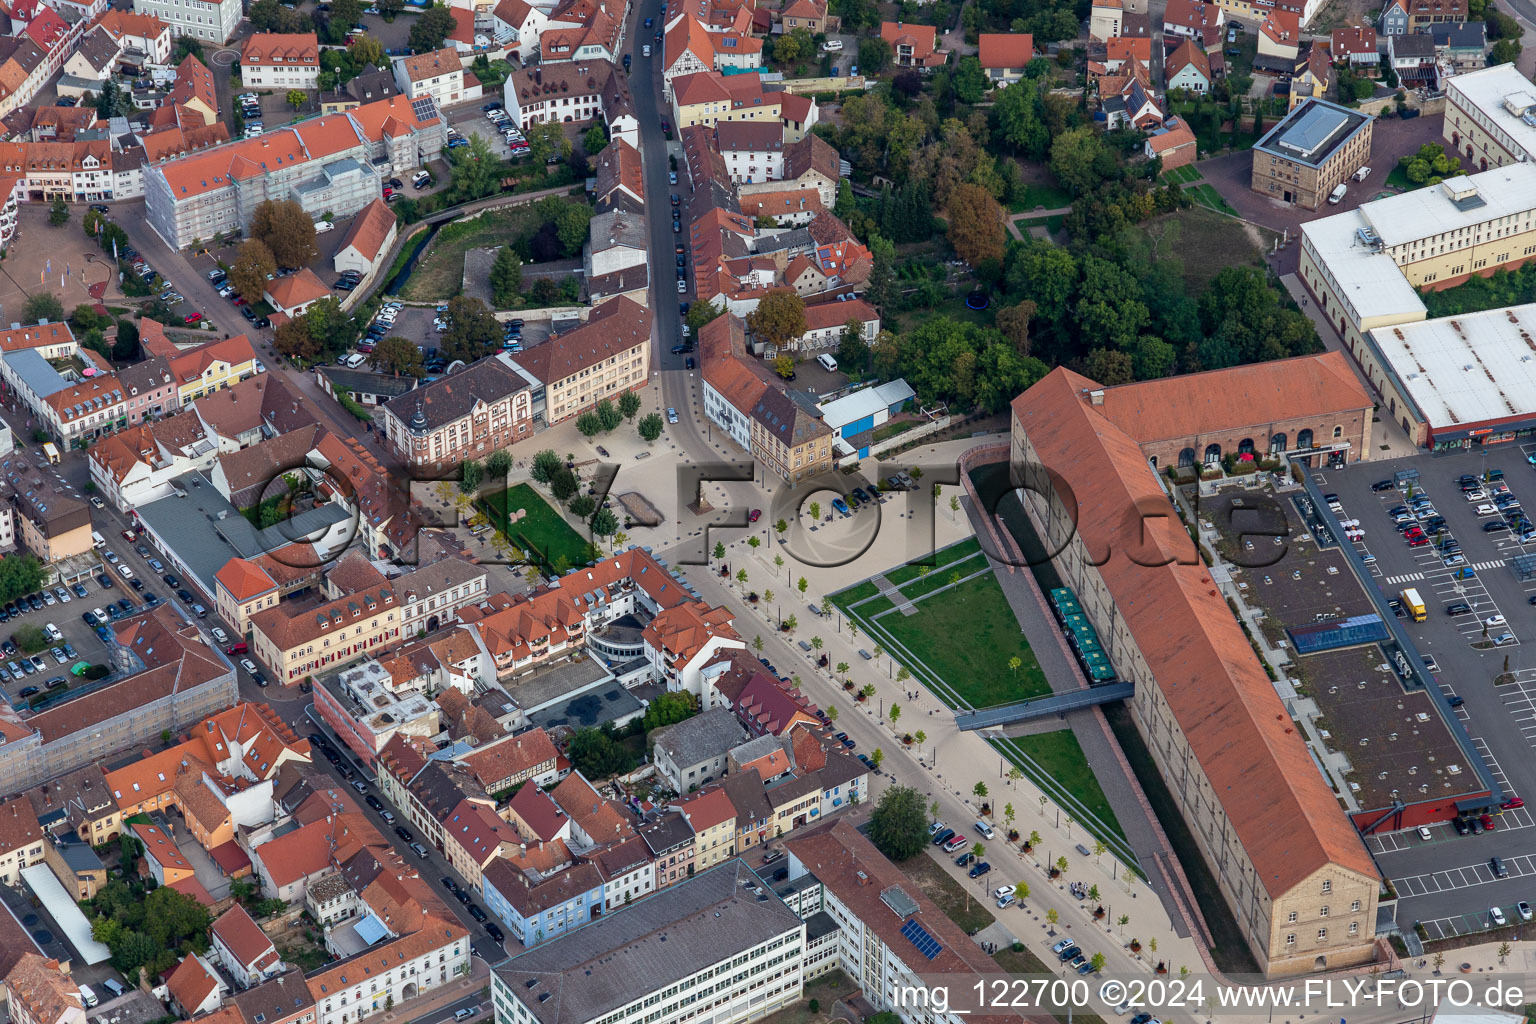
918, 935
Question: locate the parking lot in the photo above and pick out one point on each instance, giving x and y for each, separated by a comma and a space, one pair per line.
78, 643
1479, 616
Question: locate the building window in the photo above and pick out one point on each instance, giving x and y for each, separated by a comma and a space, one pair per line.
1327, 886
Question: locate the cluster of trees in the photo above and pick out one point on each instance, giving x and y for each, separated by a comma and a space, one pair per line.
1502, 288
957, 362
338, 67
1118, 325
281, 235
598, 753
792, 47
549, 469
324, 331
1048, 20
605, 417
1503, 31
669, 709
90, 327
1430, 165
153, 931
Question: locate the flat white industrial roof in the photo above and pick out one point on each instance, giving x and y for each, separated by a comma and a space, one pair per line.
1423, 213
1365, 278
852, 408
1465, 370
1486, 91
62, 907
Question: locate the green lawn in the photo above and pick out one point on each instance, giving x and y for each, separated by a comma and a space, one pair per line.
1041, 196
954, 553
1203, 242
1398, 178
1182, 175
1054, 761
1206, 195
959, 644
967, 908
542, 533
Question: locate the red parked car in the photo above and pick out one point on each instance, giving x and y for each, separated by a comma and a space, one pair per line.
754, 515
193, 318
240, 648
1512, 803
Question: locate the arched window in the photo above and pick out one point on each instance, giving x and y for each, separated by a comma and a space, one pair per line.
1245, 446
1277, 443
1304, 439
1187, 458
1338, 431
1212, 453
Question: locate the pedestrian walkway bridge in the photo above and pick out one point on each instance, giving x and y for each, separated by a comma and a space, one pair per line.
1041, 707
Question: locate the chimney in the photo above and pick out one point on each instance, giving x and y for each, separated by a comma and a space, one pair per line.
1096, 397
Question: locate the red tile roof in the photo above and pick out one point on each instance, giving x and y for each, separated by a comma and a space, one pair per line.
1006, 49
1285, 816
369, 230
244, 580
295, 290
542, 816
190, 983
281, 50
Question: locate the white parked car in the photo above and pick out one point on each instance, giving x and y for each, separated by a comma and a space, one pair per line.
832, 45
322, 226
1497, 915
1494, 620
1425, 834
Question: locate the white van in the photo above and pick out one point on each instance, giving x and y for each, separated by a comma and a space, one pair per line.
354, 360
97, 540
322, 226
87, 996
1337, 194
1363, 173
827, 363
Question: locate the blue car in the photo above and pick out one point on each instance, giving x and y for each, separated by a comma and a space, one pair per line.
841, 507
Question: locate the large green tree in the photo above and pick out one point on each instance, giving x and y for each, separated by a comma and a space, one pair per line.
779, 317
254, 263
472, 332
474, 170
19, 575
286, 229
42, 306
975, 224
898, 826
398, 356
506, 278
431, 28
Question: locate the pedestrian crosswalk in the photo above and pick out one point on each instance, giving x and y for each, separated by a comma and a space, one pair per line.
1411, 577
